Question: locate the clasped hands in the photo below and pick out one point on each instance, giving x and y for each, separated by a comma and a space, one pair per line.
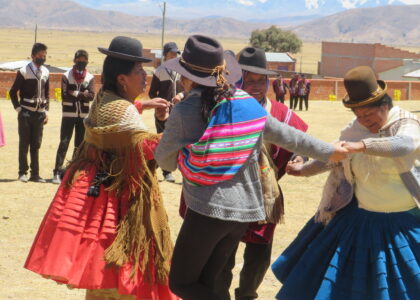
341, 150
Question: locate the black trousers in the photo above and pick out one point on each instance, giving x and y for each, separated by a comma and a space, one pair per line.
257, 260
203, 247
303, 99
280, 98
66, 132
30, 128
293, 102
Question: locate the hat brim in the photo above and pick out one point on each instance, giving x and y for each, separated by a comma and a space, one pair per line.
232, 72
377, 95
123, 56
257, 70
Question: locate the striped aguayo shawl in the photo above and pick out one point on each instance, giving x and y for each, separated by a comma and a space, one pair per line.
234, 128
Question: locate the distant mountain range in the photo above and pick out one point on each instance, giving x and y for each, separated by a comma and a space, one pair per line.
386, 24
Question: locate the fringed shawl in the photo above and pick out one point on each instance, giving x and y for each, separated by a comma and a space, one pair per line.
116, 141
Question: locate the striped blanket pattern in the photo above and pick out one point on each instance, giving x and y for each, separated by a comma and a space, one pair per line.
234, 129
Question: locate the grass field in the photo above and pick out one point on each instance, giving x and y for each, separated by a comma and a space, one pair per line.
23, 205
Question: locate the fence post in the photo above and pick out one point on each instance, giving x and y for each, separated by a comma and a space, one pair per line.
409, 91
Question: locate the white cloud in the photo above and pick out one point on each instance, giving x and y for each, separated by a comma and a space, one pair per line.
352, 3
250, 2
410, 2
311, 4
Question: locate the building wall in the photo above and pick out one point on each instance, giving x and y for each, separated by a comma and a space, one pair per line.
321, 88
276, 66
338, 58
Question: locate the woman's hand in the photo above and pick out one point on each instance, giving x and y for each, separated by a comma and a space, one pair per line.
354, 147
340, 152
294, 167
155, 103
162, 113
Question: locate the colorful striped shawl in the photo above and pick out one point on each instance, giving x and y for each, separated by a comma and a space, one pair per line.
234, 128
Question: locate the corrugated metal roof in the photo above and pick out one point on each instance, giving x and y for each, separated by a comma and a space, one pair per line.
278, 57
14, 65
414, 74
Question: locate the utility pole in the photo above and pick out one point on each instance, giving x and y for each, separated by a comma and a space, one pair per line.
36, 31
163, 27
300, 71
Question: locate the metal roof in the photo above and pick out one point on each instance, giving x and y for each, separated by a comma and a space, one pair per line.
16, 65
278, 57
414, 74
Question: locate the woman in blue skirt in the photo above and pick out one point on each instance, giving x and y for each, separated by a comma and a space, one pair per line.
364, 241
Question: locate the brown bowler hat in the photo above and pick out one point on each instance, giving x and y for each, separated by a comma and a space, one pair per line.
362, 87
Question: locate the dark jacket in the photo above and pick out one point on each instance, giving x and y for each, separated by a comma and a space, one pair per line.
33, 89
164, 84
75, 103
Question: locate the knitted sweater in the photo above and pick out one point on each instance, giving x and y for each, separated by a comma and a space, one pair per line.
238, 199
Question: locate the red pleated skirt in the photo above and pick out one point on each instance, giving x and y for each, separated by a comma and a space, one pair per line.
76, 230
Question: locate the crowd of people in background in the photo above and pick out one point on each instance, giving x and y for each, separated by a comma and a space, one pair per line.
107, 230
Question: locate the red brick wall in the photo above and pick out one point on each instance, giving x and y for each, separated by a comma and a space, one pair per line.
338, 58
277, 65
321, 88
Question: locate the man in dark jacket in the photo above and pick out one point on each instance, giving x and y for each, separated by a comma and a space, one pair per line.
165, 84
32, 83
77, 90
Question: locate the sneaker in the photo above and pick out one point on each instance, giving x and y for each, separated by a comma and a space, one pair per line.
23, 178
56, 179
37, 179
169, 177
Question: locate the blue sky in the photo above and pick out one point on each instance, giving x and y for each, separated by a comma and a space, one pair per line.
238, 9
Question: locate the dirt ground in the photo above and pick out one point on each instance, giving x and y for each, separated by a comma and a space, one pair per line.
22, 205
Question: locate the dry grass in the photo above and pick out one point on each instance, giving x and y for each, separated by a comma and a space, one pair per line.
19, 43
23, 205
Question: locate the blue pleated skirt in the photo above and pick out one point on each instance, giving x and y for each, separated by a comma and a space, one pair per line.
359, 255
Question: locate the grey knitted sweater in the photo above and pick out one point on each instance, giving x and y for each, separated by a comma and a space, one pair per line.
239, 199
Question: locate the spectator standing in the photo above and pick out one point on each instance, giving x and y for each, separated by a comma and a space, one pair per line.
165, 84
293, 91
32, 83
304, 88
77, 91
280, 88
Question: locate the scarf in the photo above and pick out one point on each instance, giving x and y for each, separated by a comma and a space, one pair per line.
234, 128
78, 76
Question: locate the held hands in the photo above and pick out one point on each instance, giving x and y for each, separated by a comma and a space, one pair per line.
155, 103
178, 98
343, 148
294, 167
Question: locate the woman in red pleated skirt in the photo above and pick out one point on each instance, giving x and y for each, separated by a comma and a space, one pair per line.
106, 229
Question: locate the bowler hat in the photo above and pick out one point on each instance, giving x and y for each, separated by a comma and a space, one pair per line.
204, 62
362, 87
171, 47
125, 48
253, 60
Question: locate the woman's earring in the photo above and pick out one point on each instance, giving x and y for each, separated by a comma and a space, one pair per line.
125, 88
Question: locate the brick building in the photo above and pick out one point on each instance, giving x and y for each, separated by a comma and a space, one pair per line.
281, 61
338, 58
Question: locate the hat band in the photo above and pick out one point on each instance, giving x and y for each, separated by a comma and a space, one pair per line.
376, 95
216, 71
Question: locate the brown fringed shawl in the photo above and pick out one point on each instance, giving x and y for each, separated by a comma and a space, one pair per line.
114, 141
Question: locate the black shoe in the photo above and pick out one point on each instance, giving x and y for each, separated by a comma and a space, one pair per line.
23, 178
56, 179
169, 177
37, 179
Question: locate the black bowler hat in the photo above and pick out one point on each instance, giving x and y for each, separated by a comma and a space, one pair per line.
125, 48
253, 60
203, 60
170, 47
362, 87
